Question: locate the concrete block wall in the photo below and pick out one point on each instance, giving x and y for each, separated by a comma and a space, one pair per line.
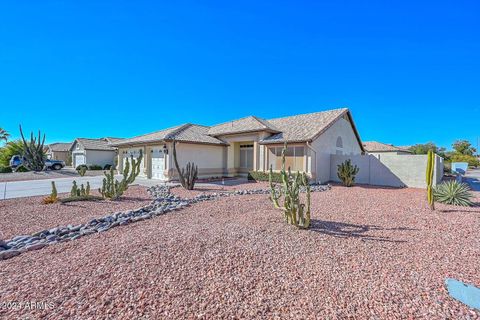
389, 170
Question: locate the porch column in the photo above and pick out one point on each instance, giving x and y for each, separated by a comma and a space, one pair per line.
256, 156
231, 158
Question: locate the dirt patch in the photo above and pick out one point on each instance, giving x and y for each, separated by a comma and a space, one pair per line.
28, 215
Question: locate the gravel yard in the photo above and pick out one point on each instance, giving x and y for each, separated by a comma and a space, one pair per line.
49, 174
371, 253
28, 215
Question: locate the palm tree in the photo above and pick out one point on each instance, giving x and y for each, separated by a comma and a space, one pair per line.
4, 135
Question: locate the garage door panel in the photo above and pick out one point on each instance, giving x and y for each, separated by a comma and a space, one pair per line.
158, 164
79, 159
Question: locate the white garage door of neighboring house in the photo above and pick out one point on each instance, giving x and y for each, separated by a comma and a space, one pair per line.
135, 153
158, 164
79, 159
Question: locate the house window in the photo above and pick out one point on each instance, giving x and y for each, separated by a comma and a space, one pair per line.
339, 145
294, 158
246, 156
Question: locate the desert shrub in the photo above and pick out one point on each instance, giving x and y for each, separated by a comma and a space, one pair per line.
264, 176
94, 167
11, 149
453, 192
107, 167
472, 161
5, 169
346, 173
81, 169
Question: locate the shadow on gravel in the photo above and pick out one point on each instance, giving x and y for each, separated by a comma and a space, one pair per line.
348, 230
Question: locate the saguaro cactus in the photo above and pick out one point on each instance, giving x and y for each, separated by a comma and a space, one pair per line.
33, 152
294, 211
429, 180
114, 189
188, 175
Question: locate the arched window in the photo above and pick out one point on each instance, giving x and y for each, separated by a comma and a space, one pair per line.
339, 142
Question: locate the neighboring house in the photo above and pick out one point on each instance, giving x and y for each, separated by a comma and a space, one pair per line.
59, 151
377, 148
94, 151
236, 147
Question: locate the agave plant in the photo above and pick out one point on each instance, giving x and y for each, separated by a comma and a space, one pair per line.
453, 192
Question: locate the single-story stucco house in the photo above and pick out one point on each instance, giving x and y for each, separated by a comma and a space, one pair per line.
59, 151
94, 151
377, 148
236, 147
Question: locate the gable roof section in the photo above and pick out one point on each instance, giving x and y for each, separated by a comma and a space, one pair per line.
375, 146
101, 144
247, 124
307, 127
59, 147
187, 133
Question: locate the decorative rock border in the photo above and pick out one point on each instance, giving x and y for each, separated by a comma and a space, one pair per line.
163, 202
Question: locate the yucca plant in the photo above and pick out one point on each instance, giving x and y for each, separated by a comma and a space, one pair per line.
453, 192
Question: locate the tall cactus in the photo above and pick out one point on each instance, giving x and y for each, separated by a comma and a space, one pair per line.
114, 189
294, 211
188, 175
33, 153
430, 167
346, 173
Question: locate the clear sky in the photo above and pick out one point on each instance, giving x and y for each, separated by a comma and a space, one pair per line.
408, 70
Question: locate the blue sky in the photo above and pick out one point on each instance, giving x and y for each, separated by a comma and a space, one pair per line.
408, 70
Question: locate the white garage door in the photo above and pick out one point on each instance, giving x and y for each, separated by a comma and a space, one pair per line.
135, 153
158, 164
79, 159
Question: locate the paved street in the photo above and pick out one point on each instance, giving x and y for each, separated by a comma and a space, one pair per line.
473, 179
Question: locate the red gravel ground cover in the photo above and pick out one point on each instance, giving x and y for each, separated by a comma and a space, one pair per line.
371, 254
28, 215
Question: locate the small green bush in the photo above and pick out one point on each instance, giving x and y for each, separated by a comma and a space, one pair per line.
453, 192
447, 167
81, 169
107, 167
5, 169
94, 167
472, 161
263, 176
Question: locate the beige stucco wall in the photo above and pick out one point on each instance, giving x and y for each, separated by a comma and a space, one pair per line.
208, 158
325, 145
59, 155
389, 170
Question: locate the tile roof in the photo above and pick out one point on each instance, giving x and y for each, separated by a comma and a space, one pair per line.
375, 146
95, 144
187, 132
304, 127
248, 124
59, 146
